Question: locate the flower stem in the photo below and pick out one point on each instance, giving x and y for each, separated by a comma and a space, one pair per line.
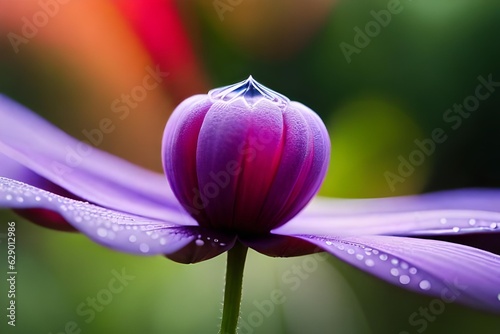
232, 293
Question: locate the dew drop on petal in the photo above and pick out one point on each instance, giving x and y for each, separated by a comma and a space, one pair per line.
383, 257
394, 261
359, 257
132, 238
102, 232
404, 279
163, 241
20, 199
8, 197
472, 222
394, 272
199, 242
144, 248
413, 270
370, 263
424, 285
456, 229
443, 220
38, 198
351, 251
404, 265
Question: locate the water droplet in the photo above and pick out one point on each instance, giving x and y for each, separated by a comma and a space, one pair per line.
102, 232
413, 270
395, 262
20, 199
144, 248
472, 222
341, 247
132, 238
199, 242
8, 197
216, 240
404, 265
383, 257
359, 257
424, 285
493, 225
222, 244
443, 220
370, 263
38, 198
456, 229
250, 91
351, 251
329, 243
375, 251
394, 272
404, 279
163, 241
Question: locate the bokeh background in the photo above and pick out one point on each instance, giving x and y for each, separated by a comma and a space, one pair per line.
377, 94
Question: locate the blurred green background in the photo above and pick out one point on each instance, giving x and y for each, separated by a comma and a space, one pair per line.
394, 87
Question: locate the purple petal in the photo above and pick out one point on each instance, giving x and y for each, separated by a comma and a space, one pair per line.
179, 142
117, 230
80, 168
302, 168
279, 245
451, 272
443, 213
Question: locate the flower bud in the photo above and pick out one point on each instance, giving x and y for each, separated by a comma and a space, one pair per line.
244, 158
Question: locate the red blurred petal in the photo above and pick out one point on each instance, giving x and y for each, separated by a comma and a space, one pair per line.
158, 25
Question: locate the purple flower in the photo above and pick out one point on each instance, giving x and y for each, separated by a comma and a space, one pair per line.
241, 163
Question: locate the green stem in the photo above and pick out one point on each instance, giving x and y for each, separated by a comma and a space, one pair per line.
232, 292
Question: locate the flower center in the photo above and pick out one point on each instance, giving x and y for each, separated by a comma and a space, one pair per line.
250, 91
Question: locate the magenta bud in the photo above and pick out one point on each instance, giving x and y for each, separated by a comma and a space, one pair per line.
244, 158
